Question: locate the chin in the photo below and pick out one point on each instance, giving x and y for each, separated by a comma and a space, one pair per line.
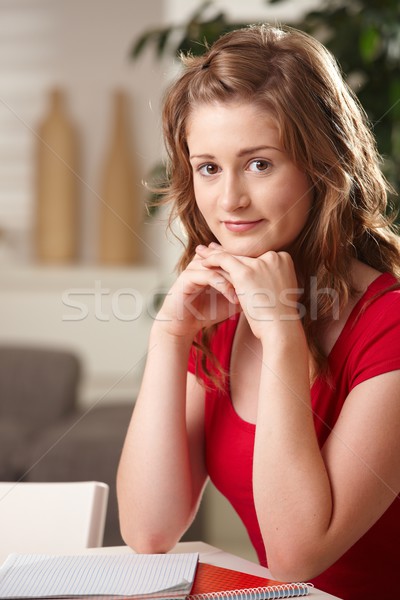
239, 248
249, 250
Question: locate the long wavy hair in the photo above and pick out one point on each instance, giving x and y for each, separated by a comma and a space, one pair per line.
324, 131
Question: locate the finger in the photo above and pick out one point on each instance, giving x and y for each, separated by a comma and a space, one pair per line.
196, 258
216, 268
222, 260
206, 250
199, 278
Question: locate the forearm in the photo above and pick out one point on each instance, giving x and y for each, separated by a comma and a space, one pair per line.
154, 480
291, 486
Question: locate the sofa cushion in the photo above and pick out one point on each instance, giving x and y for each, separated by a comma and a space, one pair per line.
84, 447
14, 439
37, 385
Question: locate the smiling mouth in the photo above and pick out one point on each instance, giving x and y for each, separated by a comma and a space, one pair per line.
241, 225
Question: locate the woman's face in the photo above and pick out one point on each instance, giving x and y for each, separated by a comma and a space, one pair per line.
252, 196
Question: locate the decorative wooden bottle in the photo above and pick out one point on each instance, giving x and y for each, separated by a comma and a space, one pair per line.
119, 240
56, 235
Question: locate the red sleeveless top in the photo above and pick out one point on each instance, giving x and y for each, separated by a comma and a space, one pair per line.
368, 345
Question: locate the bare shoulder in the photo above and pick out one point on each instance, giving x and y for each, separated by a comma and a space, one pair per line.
363, 275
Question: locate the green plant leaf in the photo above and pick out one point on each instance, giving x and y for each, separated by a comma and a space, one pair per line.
370, 43
197, 14
394, 98
149, 38
162, 41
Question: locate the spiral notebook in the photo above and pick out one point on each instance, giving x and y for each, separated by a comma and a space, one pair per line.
218, 583
164, 576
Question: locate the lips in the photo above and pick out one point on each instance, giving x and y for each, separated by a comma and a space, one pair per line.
240, 226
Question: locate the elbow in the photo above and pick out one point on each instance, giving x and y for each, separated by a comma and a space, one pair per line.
291, 565
149, 533
142, 535
291, 573
144, 541
147, 543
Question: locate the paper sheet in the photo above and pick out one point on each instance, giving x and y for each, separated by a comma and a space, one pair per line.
39, 575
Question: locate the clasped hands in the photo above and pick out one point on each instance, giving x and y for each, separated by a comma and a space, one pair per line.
217, 284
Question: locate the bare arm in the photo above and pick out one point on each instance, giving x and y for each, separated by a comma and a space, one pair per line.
162, 473
313, 506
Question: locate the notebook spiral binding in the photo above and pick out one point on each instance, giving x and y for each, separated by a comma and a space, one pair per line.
286, 590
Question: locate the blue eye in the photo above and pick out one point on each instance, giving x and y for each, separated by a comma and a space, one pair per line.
259, 165
208, 169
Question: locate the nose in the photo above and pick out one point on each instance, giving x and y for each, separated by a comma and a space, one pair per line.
234, 194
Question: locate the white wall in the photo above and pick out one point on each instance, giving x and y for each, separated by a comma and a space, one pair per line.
82, 46
239, 10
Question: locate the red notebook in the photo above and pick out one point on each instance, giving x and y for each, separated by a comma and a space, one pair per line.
213, 582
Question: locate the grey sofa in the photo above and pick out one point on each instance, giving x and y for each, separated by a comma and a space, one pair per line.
37, 390
45, 436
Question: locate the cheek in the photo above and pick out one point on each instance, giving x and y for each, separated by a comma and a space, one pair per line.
197, 193
297, 199
285, 207
203, 202
202, 208
205, 213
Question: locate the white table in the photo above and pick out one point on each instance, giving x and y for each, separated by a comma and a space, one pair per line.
214, 556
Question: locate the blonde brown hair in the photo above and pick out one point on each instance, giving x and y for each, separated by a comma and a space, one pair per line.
324, 131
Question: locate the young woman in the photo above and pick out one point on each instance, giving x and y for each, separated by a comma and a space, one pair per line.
274, 362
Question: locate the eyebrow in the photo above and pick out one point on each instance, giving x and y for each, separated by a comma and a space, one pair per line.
243, 152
